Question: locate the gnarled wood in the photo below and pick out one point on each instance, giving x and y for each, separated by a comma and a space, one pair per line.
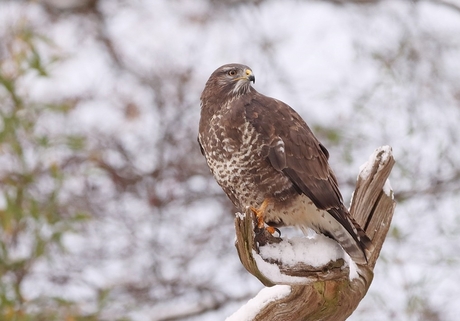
327, 293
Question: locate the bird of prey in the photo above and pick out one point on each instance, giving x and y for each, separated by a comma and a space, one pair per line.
264, 156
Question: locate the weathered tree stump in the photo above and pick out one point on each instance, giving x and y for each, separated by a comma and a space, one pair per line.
325, 293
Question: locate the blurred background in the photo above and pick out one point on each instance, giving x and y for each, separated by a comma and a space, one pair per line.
107, 208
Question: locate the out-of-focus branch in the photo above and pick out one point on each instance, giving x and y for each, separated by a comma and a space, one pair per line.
448, 4
352, 1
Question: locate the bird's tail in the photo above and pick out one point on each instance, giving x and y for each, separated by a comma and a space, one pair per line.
352, 238
338, 225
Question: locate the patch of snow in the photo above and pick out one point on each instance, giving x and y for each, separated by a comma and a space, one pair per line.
314, 251
272, 272
366, 168
264, 297
241, 216
387, 152
388, 190
353, 274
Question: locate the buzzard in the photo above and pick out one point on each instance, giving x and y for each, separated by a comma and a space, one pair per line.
264, 155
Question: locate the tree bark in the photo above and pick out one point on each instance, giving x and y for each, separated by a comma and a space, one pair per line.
327, 294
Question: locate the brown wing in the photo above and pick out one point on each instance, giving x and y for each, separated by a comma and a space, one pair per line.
292, 149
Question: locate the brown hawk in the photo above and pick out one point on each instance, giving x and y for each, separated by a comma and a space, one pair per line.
264, 155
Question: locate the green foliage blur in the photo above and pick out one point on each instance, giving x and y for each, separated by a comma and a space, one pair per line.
34, 212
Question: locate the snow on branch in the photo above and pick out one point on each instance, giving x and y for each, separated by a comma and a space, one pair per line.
313, 278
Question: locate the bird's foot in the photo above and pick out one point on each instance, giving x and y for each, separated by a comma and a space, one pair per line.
272, 230
266, 235
259, 213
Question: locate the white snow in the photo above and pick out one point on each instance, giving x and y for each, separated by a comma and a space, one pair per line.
387, 189
366, 168
272, 272
240, 215
315, 251
354, 270
248, 311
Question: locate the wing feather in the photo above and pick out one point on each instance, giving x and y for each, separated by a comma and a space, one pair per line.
303, 158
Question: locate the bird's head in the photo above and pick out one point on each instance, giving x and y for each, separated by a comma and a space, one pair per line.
230, 80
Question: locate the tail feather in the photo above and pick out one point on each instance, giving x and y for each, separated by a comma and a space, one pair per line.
355, 248
346, 232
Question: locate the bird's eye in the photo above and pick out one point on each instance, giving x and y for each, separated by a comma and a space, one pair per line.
232, 72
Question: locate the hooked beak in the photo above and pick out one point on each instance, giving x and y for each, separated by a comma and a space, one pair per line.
250, 76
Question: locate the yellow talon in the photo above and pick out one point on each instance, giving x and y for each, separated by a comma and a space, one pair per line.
259, 212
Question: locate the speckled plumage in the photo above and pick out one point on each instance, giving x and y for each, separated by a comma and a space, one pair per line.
259, 148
